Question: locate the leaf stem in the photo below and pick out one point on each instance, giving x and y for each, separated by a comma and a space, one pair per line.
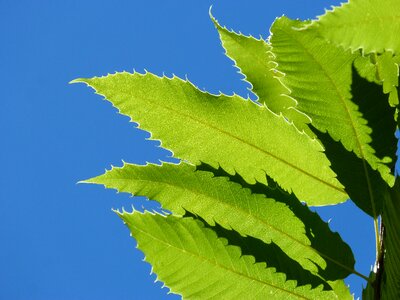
379, 265
377, 239
362, 276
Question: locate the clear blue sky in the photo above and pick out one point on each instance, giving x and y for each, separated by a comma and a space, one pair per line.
60, 240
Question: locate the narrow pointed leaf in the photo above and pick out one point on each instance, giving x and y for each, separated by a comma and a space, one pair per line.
254, 59
195, 124
194, 262
179, 189
370, 25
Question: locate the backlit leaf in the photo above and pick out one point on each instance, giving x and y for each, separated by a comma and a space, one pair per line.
197, 125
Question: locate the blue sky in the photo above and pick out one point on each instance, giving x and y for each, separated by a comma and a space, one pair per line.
61, 240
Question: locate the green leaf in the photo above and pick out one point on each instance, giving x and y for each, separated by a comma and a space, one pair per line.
341, 290
179, 189
254, 59
308, 61
274, 257
194, 262
368, 292
388, 73
269, 253
382, 69
391, 269
329, 244
366, 68
370, 25
339, 106
373, 104
364, 185
197, 125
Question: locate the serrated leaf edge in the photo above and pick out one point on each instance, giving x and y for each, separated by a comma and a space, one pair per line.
224, 241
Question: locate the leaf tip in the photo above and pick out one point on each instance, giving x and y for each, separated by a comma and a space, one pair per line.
94, 180
79, 80
86, 181
210, 12
213, 19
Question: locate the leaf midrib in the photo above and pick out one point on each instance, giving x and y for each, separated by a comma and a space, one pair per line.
205, 124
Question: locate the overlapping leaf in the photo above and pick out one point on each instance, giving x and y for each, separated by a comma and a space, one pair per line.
255, 61
382, 69
327, 243
388, 72
194, 262
364, 185
197, 125
269, 253
308, 61
178, 188
370, 25
274, 257
248, 240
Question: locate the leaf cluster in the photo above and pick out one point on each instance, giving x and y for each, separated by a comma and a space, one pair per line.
237, 222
